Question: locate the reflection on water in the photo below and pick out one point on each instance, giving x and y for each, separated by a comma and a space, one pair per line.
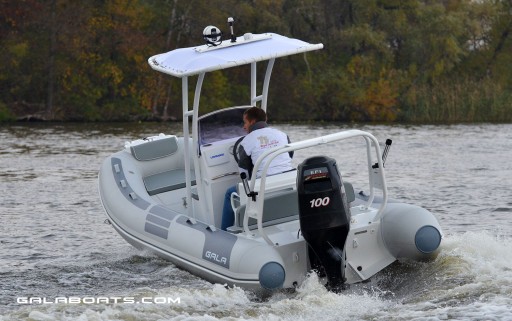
54, 243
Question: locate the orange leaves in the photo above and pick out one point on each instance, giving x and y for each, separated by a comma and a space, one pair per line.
372, 91
380, 101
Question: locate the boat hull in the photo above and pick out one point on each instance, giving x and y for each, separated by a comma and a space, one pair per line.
162, 224
215, 255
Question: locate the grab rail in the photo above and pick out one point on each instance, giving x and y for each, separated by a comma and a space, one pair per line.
254, 207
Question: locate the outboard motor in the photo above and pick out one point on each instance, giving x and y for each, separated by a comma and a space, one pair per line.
324, 216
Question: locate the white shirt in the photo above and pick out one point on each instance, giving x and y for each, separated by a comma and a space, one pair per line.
260, 140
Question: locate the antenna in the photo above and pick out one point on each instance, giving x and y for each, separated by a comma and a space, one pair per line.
386, 151
230, 22
384, 154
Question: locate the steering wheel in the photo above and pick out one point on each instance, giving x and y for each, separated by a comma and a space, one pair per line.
235, 149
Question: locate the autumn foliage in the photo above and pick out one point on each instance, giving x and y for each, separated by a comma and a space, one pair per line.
383, 61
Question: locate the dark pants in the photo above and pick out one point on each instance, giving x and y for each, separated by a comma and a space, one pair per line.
228, 216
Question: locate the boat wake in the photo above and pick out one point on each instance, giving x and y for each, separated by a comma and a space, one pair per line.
470, 279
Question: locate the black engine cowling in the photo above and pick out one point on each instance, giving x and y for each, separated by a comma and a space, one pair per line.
324, 216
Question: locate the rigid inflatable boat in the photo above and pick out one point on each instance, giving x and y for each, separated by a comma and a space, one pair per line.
165, 193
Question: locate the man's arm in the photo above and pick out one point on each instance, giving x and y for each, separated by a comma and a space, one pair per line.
244, 160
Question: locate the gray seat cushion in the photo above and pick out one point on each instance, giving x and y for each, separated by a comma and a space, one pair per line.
166, 181
155, 149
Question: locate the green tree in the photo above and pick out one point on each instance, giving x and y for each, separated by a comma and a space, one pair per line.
382, 59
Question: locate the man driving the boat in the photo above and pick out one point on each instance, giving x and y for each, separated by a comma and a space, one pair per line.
260, 137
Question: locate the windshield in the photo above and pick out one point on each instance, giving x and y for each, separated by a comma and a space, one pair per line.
221, 125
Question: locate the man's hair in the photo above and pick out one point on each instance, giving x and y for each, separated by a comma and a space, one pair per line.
256, 113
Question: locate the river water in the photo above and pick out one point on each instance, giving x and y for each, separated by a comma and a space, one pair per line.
54, 245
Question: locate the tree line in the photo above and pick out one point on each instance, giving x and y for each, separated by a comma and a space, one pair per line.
383, 60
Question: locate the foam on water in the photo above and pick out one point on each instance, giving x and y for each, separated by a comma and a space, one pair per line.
217, 302
470, 280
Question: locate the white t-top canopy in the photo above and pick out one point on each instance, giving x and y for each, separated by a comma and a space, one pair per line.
184, 62
247, 49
